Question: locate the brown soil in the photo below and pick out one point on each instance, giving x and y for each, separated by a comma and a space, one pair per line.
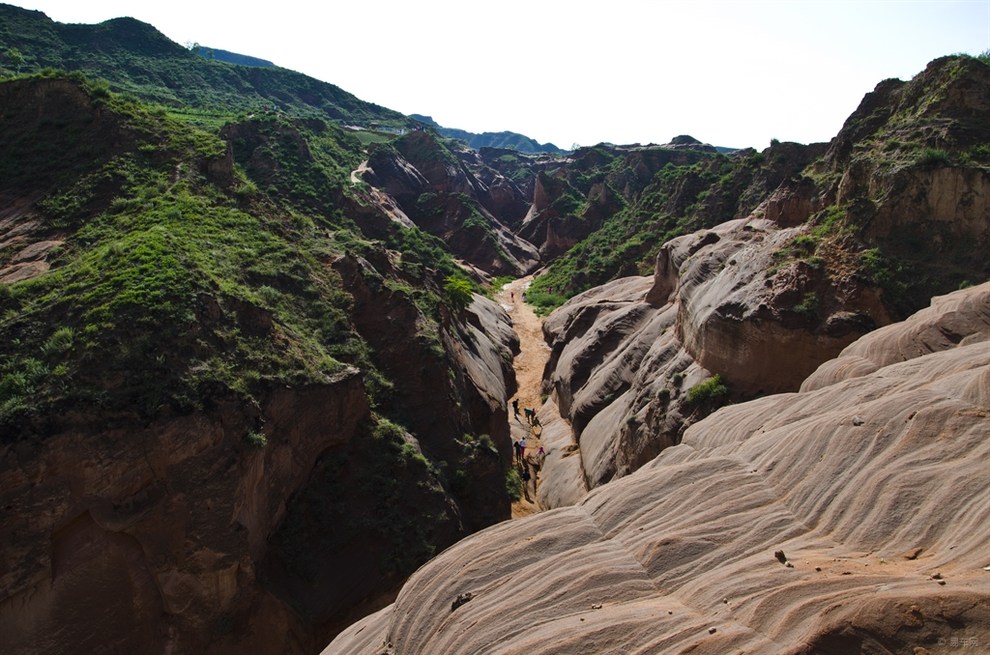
528, 364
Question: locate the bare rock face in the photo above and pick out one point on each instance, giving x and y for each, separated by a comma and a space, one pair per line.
626, 358
439, 194
957, 319
148, 537
871, 491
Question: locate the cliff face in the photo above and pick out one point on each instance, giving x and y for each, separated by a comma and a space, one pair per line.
152, 534
839, 519
633, 362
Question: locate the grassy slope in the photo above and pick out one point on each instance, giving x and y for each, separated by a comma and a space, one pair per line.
174, 283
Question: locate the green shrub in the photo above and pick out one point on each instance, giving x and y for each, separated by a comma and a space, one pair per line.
543, 303
932, 157
513, 484
59, 343
808, 305
255, 440
713, 390
458, 291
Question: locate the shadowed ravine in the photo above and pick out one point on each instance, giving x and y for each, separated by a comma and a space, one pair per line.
528, 366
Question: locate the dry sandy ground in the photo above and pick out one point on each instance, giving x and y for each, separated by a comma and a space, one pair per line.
528, 364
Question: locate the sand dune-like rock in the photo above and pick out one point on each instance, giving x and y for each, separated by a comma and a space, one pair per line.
848, 518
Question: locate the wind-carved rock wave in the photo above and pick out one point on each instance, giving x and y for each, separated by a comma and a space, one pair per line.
844, 518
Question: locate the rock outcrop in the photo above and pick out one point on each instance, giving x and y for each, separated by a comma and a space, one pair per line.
848, 518
442, 196
126, 535
633, 362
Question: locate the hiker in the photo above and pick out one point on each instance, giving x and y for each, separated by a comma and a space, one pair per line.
517, 451
534, 463
536, 421
515, 407
522, 447
525, 479
529, 415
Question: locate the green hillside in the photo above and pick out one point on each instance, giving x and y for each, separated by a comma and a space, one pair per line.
136, 58
151, 218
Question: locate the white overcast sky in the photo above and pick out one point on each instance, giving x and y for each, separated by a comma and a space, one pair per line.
730, 73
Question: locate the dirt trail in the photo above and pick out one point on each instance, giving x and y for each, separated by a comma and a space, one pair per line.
528, 364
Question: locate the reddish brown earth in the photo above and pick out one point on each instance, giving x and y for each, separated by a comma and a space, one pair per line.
528, 365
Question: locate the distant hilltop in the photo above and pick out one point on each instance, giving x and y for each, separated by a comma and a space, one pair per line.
512, 140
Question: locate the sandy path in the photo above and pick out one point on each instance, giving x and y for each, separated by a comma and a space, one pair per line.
528, 364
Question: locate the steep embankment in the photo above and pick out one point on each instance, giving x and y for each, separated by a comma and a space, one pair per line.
847, 518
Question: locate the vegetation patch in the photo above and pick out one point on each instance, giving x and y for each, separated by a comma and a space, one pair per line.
712, 391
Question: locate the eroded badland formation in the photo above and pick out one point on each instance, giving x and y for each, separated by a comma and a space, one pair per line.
256, 372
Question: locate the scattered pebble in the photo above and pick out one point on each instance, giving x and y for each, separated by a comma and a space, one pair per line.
858, 420
818, 568
937, 576
670, 612
941, 582
788, 565
712, 631
725, 600
596, 606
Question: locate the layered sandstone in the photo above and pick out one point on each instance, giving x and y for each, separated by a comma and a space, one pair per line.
848, 518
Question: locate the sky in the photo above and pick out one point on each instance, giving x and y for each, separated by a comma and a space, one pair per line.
730, 73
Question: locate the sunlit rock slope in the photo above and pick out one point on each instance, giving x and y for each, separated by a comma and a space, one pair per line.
848, 518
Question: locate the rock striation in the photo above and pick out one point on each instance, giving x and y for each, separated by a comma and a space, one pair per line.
846, 518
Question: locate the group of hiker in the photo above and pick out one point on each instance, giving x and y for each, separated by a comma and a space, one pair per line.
528, 463
531, 418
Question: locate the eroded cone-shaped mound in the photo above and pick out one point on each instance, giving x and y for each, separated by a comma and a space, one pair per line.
874, 489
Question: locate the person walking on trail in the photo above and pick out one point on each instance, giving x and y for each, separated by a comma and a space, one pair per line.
529, 415
517, 451
515, 407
